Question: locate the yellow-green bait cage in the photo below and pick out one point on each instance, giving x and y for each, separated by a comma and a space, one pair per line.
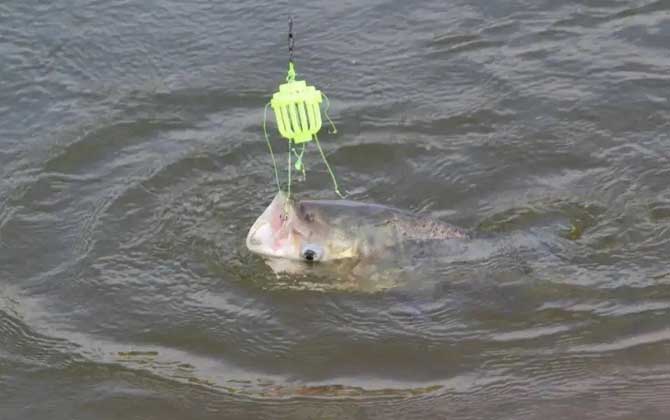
297, 109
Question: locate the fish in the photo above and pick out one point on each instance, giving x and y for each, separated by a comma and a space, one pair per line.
326, 231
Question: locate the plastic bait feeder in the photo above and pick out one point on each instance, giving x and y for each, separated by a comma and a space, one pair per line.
297, 109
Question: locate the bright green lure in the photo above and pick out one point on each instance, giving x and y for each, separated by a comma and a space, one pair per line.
297, 110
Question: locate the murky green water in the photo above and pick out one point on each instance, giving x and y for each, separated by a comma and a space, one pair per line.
132, 164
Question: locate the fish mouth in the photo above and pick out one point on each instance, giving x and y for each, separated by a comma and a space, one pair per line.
257, 233
252, 242
264, 240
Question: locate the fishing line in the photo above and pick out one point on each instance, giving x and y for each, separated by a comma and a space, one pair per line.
297, 110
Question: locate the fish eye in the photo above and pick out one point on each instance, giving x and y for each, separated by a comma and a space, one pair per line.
312, 252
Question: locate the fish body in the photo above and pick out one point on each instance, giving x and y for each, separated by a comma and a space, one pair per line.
337, 230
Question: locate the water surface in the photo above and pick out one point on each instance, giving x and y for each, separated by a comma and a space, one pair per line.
132, 163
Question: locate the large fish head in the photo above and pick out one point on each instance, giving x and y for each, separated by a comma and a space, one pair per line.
288, 229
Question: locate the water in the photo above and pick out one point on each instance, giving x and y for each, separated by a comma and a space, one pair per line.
132, 164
